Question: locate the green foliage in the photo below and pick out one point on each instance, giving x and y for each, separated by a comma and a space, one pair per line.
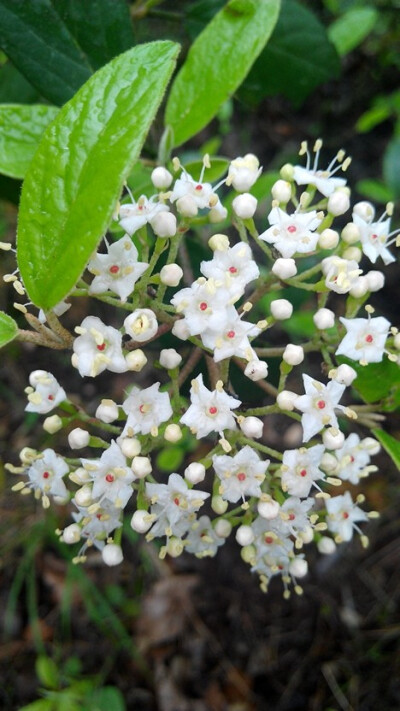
351, 28
391, 166
220, 58
377, 381
8, 329
374, 190
169, 459
217, 169
21, 128
390, 444
47, 672
82, 162
297, 59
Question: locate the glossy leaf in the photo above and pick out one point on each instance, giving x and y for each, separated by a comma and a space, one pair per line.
21, 128
390, 444
77, 174
14, 88
349, 30
217, 63
36, 40
8, 329
297, 59
377, 381
391, 163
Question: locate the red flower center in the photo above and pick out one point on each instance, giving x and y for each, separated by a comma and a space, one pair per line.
374, 236
321, 404
303, 472
231, 334
198, 188
292, 228
114, 269
268, 539
101, 347
50, 397
203, 306
232, 270
212, 410
241, 476
345, 514
176, 500
369, 338
291, 517
46, 475
110, 478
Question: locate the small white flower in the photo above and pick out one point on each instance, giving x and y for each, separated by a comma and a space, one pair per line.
174, 505
204, 305
97, 348
210, 411
118, 270
300, 470
141, 325
292, 233
146, 409
46, 474
234, 267
318, 405
353, 460
322, 179
111, 476
341, 274
133, 216
202, 540
343, 515
374, 237
45, 392
191, 195
243, 172
96, 528
233, 339
365, 339
241, 475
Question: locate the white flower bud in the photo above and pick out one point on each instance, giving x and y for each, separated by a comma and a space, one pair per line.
141, 467
344, 374
243, 172
171, 274
328, 239
360, 288
281, 309
164, 224
298, 567
223, 528
170, 358
365, 210
244, 535
256, 370
324, 318
396, 341
326, 545
219, 243
307, 535
219, 505
107, 411
173, 433
329, 463
338, 202
174, 547
287, 171
352, 253
284, 268
218, 214
187, 206
268, 509
286, 400
141, 521
112, 554
78, 438
252, 427
281, 191
293, 355
27, 455
371, 445
244, 206
375, 280
83, 496
136, 360
130, 447
195, 473
71, 534
350, 233
80, 476
333, 438
141, 325
161, 178
180, 329
52, 424
248, 554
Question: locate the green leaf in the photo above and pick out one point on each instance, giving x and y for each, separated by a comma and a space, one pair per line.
109, 698
170, 459
298, 58
377, 381
21, 128
8, 329
46, 670
76, 177
217, 63
14, 88
38, 43
349, 30
374, 190
102, 28
390, 444
391, 166
218, 168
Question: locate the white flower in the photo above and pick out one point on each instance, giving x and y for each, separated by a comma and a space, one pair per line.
353, 460
234, 267
341, 274
174, 505
322, 179
45, 392
342, 516
292, 233
111, 477
46, 474
192, 195
133, 216
204, 306
233, 339
202, 539
97, 348
97, 527
374, 238
118, 270
318, 405
241, 475
243, 172
146, 409
210, 411
141, 325
365, 339
300, 470
294, 515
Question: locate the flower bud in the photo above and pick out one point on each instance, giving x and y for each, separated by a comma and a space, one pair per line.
130, 447
161, 178
136, 360
164, 224
371, 445
360, 288
350, 233
329, 463
324, 318
326, 545
344, 374
333, 438
142, 521
243, 172
281, 191
174, 547
353, 253
219, 243
80, 476
52, 424
281, 309
244, 535
298, 567
195, 473
284, 268
223, 528
170, 358
268, 508
396, 341
187, 206
171, 274
71, 534
293, 355
173, 433
328, 239
219, 505
252, 427
112, 554
244, 206
286, 400
78, 438
141, 325
248, 554
218, 214
307, 534
287, 171
180, 329
83, 496
107, 411
338, 202
27, 455
375, 280
256, 370
141, 467
365, 210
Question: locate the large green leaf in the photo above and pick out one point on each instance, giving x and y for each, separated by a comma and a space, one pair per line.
78, 171
391, 163
102, 28
391, 445
21, 128
8, 329
349, 30
217, 63
14, 88
377, 381
298, 58
36, 40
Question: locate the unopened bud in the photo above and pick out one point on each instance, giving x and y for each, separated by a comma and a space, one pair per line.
324, 318
293, 355
164, 224
326, 545
161, 178
268, 509
286, 400
281, 191
130, 447
333, 438
219, 243
219, 505
78, 438
284, 268
338, 202
170, 358
173, 433
141, 467
187, 206
52, 424
365, 210
195, 473
244, 535
252, 427
136, 360
244, 206
256, 370
142, 521
112, 554
171, 274
281, 309
350, 233
107, 411
71, 534
223, 528
328, 239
